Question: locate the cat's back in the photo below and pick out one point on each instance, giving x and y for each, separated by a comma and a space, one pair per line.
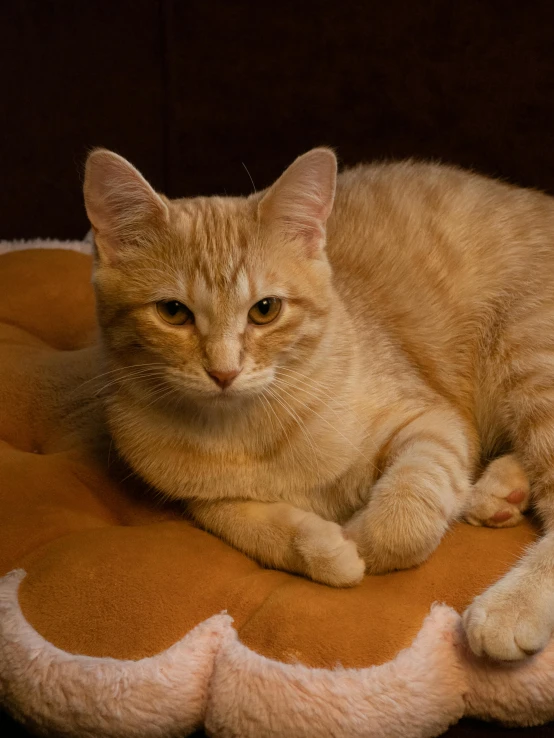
440, 262
438, 235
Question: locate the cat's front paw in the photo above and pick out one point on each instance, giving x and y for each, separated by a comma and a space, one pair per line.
500, 496
509, 621
326, 555
389, 543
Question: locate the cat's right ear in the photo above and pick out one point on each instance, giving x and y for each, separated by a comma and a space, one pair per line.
122, 207
301, 200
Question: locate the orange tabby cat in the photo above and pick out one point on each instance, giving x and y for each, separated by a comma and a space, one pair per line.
319, 368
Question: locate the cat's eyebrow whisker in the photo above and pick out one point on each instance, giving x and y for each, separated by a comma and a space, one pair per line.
248, 173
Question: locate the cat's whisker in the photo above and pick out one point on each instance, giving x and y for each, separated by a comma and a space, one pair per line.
318, 387
125, 377
159, 396
154, 371
283, 429
356, 448
120, 369
302, 374
248, 173
152, 391
136, 375
263, 402
314, 391
316, 394
301, 425
285, 434
132, 377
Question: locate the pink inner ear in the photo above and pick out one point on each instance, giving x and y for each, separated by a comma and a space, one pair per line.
312, 233
121, 205
107, 252
301, 200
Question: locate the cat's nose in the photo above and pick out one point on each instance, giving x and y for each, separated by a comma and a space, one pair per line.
223, 379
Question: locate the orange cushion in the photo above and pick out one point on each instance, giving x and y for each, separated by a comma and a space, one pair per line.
111, 572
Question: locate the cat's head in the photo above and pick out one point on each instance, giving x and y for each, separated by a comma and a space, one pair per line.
207, 298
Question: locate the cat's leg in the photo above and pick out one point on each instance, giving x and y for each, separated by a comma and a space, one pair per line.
281, 536
500, 496
424, 488
515, 616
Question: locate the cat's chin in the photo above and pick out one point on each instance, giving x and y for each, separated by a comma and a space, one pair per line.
229, 397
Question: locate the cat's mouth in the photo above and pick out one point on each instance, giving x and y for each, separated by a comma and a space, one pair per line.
200, 392
225, 393
230, 395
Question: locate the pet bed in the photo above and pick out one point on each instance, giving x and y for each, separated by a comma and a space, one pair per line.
119, 618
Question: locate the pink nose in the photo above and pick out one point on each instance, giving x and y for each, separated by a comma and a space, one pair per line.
224, 379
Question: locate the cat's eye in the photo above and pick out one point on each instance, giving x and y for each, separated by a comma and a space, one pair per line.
174, 312
265, 310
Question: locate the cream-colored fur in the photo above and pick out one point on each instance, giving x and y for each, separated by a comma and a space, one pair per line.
415, 339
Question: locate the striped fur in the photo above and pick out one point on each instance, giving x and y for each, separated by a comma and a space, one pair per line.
415, 342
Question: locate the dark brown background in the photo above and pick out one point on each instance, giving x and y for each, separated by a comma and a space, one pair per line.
190, 90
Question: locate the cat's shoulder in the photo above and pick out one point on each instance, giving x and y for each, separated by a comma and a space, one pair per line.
406, 170
420, 183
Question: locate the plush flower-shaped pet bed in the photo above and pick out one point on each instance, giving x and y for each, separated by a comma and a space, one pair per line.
119, 618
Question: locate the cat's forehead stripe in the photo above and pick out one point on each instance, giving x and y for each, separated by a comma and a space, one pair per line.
219, 277
219, 241
207, 294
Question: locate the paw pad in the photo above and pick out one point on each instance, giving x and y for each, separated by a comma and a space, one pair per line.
500, 496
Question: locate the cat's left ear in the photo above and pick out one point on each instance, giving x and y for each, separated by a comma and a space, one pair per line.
301, 200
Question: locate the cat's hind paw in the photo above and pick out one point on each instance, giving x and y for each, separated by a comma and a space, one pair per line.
500, 496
